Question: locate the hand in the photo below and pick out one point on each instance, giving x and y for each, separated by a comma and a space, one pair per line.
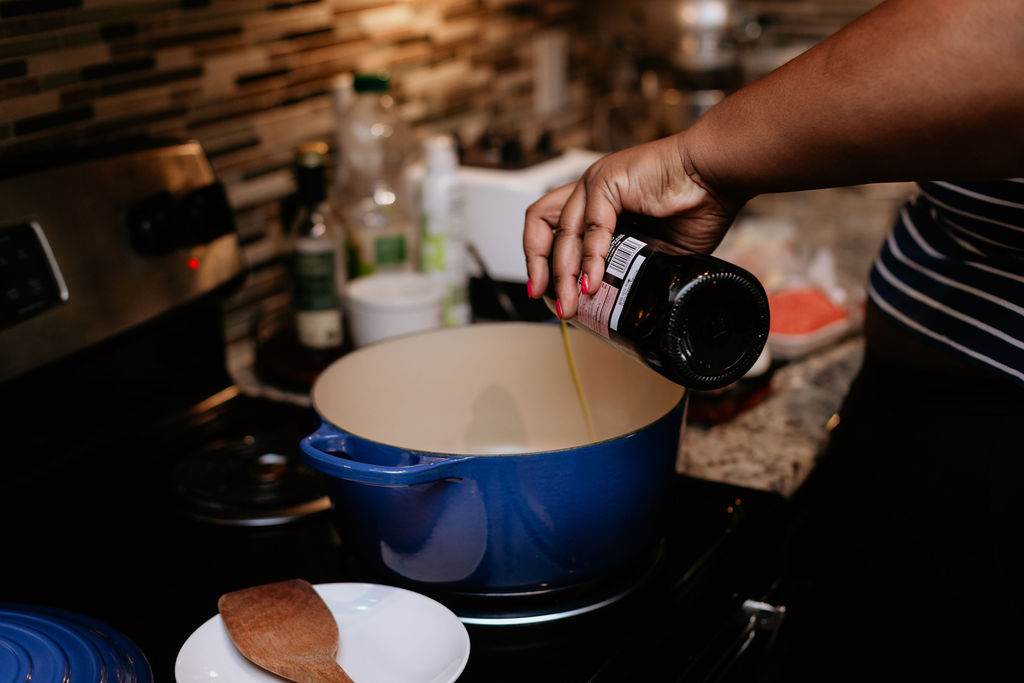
574, 224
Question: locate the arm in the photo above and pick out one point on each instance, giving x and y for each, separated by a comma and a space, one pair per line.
914, 89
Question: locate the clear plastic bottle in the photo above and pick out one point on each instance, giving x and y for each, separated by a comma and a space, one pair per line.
316, 263
698, 320
342, 95
374, 145
443, 239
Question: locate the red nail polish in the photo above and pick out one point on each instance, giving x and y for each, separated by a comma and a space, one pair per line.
558, 308
585, 284
529, 288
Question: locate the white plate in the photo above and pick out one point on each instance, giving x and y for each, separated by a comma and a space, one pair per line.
387, 635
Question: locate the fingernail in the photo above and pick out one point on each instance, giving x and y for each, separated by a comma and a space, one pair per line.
585, 284
529, 288
558, 308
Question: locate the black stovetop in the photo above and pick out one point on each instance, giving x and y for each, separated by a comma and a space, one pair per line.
107, 534
97, 451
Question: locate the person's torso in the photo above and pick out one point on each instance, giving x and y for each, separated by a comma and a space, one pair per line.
952, 272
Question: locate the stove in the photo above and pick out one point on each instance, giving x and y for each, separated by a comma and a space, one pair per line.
141, 483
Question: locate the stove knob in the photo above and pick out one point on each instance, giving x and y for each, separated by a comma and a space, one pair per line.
163, 223
206, 214
154, 225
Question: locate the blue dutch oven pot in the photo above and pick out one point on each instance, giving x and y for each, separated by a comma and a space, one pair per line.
460, 460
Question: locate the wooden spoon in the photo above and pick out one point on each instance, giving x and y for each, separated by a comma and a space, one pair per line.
285, 628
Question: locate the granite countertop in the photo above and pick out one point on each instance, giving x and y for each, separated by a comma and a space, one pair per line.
774, 444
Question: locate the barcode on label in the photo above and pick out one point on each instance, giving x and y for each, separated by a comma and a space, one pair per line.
623, 296
621, 257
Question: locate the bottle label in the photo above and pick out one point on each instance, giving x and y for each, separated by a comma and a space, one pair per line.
390, 250
315, 281
440, 258
316, 301
602, 310
319, 329
368, 253
434, 256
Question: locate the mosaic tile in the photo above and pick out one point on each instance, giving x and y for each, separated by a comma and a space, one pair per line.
24, 106
20, 87
20, 8
68, 60
13, 28
13, 69
30, 46
63, 117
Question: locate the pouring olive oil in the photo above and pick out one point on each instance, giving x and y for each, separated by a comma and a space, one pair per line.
576, 380
693, 318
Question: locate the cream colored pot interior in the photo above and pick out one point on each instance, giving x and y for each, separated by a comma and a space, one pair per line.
488, 389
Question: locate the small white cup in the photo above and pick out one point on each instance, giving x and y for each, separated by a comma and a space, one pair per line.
385, 305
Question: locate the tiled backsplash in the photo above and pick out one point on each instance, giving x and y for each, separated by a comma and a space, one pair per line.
249, 79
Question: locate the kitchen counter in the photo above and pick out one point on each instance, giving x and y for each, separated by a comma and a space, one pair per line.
773, 446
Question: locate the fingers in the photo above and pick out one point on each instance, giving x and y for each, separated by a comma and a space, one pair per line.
573, 225
566, 250
601, 217
538, 235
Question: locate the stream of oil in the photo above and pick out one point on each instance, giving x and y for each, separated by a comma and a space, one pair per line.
576, 380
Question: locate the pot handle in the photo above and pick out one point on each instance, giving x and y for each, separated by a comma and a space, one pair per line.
397, 467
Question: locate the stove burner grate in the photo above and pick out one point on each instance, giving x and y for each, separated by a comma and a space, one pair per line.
249, 481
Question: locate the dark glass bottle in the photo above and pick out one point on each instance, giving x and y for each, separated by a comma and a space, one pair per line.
291, 357
698, 320
316, 265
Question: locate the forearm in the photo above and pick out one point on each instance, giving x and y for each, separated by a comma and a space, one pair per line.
915, 89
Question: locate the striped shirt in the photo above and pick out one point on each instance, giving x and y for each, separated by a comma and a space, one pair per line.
952, 271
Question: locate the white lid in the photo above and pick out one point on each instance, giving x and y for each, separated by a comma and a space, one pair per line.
439, 150
394, 291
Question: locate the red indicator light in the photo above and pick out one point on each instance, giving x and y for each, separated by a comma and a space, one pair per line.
193, 263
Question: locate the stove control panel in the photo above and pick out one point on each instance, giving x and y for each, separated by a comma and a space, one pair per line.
91, 249
30, 279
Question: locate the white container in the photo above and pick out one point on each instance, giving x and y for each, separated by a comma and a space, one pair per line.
385, 305
495, 203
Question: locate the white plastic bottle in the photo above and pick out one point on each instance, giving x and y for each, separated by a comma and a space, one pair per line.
443, 240
374, 147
